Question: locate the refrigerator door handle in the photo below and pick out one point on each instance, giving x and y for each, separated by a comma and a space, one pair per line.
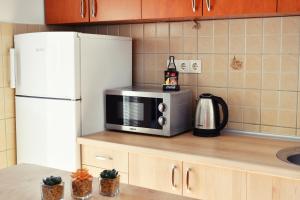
13, 63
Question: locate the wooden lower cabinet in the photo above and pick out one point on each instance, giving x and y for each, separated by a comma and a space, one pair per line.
213, 183
155, 173
263, 187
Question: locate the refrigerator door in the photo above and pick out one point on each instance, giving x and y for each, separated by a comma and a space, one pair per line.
48, 65
46, 132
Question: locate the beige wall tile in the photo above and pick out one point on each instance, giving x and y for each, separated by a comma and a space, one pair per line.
2, 110
2, 136
162, 29
235, 126
221, 27
125, 30
150, 45
251, 127
3, 160
10, 130
149, 30
271, 44
206, 28
236, 44
251, 115
205, 44
254, 44
269, 117
270, 81
113, 30
254, 26
237, 27
176, 45
138, 76
176, 29
189, 30
278, 130
290, 44
162, 45
102, 29
269, 99
272, 25
137, 30
190, 44
11, 157
221, 44
287, 118
291, 25
9, 102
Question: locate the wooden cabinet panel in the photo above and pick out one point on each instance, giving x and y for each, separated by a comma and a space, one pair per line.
104, 158
262, 187
115, 10
95, 172
66, 11
170, 9
223, 8
209, 182
288, 6
155, 173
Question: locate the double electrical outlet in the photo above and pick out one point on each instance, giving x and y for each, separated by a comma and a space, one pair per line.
188, 66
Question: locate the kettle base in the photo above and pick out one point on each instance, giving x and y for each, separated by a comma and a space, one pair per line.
206, 132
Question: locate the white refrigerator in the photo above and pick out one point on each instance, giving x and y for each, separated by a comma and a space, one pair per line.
60, 78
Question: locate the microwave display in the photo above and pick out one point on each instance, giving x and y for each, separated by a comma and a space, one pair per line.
133, 111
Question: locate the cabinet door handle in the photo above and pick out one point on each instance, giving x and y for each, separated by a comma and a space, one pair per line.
208, 6
194, 5
103, 157
173, 176
82, 8
93, 11
188, 179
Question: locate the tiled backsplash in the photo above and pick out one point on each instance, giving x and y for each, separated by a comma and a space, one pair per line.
263, 96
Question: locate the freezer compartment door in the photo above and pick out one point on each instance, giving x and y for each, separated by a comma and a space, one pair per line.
47, 65
47, 132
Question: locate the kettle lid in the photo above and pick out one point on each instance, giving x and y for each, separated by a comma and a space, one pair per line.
206, 95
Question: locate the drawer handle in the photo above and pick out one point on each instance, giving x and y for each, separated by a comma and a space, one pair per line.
188, 179
173, 176
208, 6
103, 157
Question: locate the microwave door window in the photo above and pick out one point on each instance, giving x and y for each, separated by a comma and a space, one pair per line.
133, 111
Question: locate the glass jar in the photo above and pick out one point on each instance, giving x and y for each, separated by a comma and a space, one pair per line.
82, 188
109, 187
55, 192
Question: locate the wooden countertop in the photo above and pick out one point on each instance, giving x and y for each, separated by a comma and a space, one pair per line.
23, 182
242, 152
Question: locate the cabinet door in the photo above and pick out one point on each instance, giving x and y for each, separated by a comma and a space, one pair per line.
155, 173
66, 11
171, 9
288, 6
262, 187
220, 8
115, 10
213, 183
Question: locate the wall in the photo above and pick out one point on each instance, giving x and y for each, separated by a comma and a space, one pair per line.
22, 11
263, 96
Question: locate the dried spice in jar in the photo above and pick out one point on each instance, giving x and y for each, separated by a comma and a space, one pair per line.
82, 184
109, 183
52, 188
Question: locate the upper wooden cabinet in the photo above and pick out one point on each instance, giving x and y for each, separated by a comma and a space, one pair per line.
231, 8
115, 10
171, 9
66, 11
288, 6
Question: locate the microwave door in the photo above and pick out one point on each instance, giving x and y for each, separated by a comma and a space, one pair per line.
133, 111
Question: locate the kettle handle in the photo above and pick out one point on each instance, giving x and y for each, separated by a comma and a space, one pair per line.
224, 106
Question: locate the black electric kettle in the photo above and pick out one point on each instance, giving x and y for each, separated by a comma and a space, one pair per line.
207, 119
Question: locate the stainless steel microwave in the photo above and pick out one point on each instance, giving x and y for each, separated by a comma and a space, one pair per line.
148, 110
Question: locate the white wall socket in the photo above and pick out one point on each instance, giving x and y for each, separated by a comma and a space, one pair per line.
188, 66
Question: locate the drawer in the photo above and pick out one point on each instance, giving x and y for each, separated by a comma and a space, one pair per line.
104, 158
95, 172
